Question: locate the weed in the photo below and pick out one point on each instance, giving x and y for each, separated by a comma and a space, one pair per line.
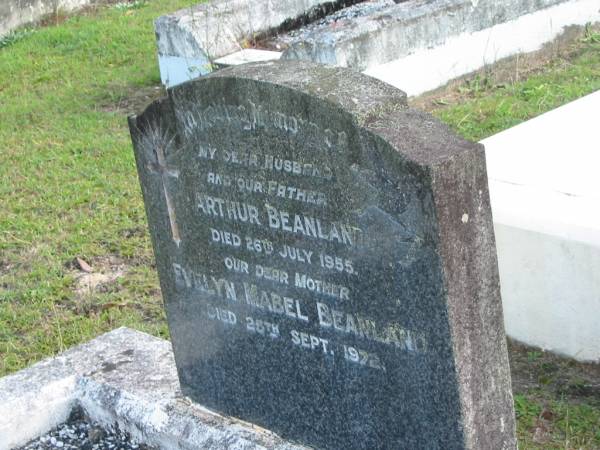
15, 36
126, 6
533, 355
590, 36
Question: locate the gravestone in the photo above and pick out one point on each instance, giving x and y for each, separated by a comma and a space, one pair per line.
327, 260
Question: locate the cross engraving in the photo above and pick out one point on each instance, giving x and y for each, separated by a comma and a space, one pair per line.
160, 168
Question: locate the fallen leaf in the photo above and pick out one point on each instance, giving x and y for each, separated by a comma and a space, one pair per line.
547, 414
83, 265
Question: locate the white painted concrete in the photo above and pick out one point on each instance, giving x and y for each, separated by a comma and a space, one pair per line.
544, 178
248, 55
424, 69
189, 38
16, 13
34, 411
429, 68
175, 70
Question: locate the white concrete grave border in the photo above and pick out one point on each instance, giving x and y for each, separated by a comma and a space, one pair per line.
190, 39
125, 378
544, 178
16, 13
434, 53
428, 68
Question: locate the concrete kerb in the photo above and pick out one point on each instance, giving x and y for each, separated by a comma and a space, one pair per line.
123, 378
415, 45
190, 40
16, 13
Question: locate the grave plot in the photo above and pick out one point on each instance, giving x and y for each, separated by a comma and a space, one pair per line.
81, 433
121, 387
413, 45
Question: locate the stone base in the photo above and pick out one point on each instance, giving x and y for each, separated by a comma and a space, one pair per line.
123, 377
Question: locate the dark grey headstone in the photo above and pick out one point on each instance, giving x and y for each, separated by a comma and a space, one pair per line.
327, 260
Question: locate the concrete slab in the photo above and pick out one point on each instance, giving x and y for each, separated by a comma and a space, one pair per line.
398, 30
247, 56
545, 193
125, 378
190, 40
16, 13
415, 45
427, 67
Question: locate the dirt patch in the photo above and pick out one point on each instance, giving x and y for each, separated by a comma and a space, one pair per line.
60, 15
533, 369
506, 71
5, 267
5, 270
104, 283
134, 100
98, 275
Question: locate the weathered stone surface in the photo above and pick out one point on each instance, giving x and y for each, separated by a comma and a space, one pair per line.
381, 35
190, 40
327, 260
374, 36
123, 378
246, 56
16, 13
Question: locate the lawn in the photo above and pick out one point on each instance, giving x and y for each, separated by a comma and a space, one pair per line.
68, 183
499, 97
75, 255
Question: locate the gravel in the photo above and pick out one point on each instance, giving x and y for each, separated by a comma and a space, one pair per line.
82, 434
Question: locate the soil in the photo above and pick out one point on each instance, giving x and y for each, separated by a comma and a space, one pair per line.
96, 275
135, 101
563, 378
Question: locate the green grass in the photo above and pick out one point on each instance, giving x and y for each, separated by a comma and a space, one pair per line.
482, 107
15, 36
545, 423
68, 182
69, 188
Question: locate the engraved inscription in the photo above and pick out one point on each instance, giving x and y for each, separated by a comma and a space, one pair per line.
252, 117
159, 142
286, 270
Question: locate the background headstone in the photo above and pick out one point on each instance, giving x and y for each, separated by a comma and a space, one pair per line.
327, 260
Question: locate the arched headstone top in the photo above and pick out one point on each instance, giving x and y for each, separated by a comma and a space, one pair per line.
375, 106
